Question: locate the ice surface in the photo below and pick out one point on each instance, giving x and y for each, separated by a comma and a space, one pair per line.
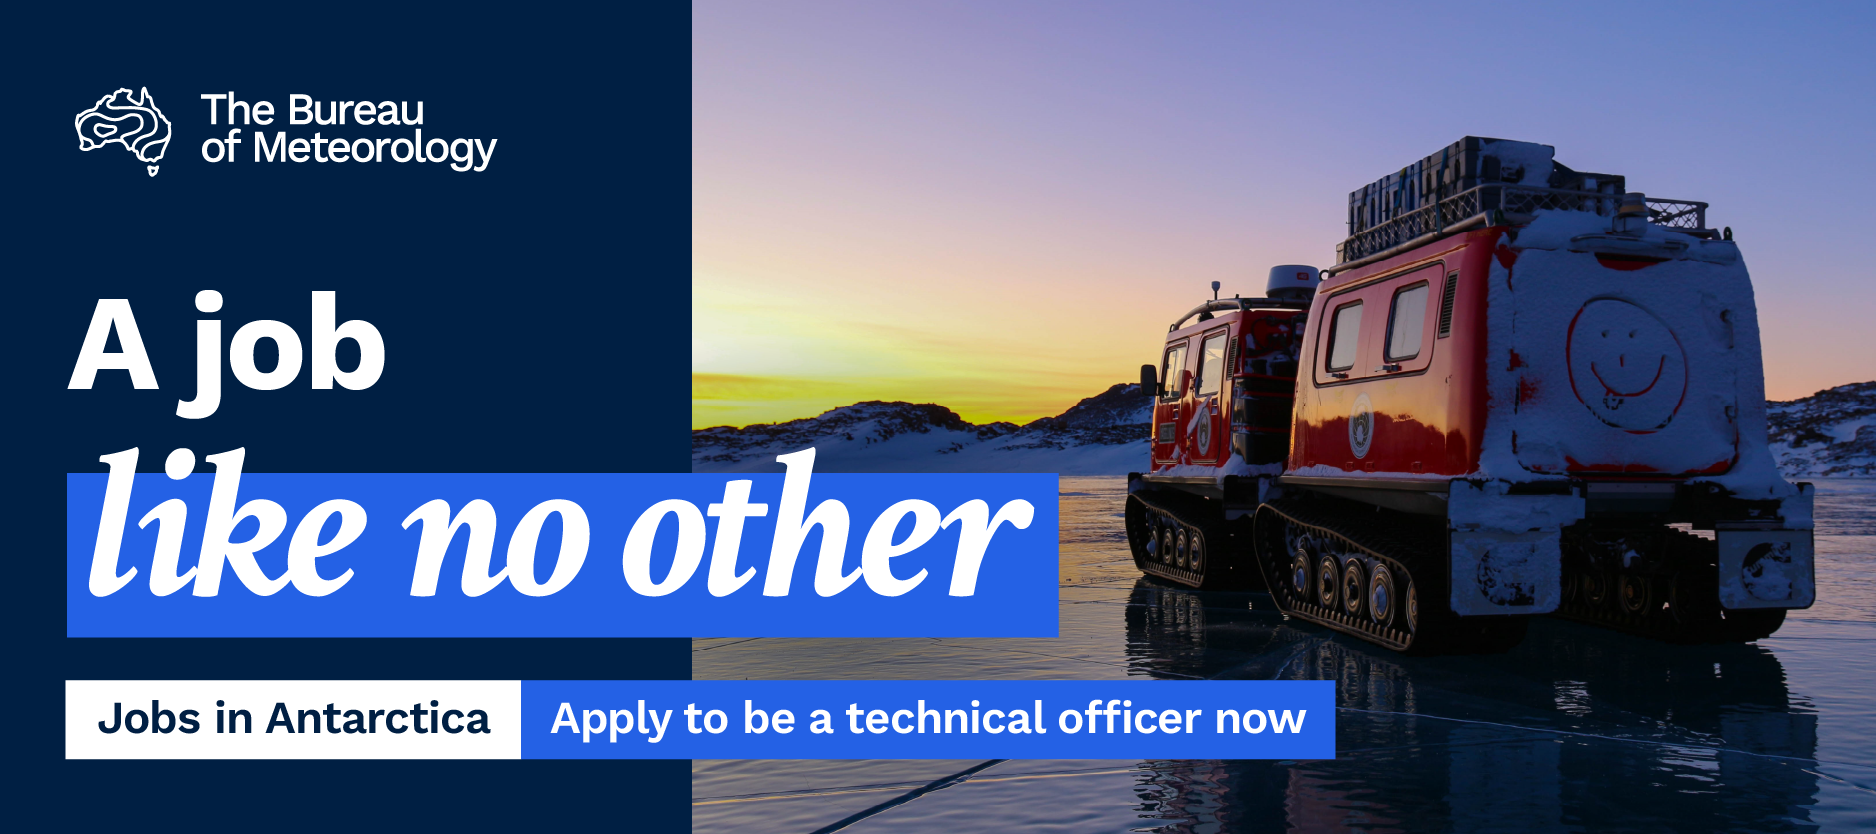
1577, 729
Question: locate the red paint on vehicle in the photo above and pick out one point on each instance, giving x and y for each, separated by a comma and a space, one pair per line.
1527, 390
1626, 263
1575, 465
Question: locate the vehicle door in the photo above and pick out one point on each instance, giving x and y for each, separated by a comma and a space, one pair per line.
1378, 341
1166, 408
1207, 425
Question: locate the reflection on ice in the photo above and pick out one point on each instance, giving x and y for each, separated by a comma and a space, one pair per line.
1577, 729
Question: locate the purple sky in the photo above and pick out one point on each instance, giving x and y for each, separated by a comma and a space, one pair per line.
998, 206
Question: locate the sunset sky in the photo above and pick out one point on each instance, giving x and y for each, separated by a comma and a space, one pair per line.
999, 207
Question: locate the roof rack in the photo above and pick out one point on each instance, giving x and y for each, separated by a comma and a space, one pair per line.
1233, 305
1497, 204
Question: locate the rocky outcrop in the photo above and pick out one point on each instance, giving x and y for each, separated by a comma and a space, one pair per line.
1830, 434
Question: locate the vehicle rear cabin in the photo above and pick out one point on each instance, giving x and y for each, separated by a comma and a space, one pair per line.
1521, 390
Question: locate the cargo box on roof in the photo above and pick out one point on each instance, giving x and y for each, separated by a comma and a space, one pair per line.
1461, 167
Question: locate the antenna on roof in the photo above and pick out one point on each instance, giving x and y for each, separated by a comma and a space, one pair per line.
1214, 290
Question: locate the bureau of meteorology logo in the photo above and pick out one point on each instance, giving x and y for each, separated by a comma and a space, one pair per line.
123, 119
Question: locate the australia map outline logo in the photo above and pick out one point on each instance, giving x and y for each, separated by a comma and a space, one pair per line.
132, 121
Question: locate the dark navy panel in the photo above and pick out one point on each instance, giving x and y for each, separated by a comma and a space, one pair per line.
531, 314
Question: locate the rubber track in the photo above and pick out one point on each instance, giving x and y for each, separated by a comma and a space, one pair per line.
1217, 544
1412, 548
1697, 618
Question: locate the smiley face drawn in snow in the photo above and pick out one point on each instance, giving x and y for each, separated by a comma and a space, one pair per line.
1626, 365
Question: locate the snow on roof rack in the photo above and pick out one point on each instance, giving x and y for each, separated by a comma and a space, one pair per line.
1496, 204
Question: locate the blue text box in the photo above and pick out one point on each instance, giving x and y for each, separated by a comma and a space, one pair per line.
1151, 719
1014, 594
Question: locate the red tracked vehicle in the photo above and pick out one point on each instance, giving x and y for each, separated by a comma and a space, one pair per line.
1522, 390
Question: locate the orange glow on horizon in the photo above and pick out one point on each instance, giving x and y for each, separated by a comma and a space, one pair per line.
731, 400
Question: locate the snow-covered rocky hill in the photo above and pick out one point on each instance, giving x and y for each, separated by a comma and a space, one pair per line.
1102, 435
1829, 434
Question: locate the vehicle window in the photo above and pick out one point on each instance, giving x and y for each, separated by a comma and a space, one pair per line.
1175, 362
1345, 337
1407, 323
1212, 363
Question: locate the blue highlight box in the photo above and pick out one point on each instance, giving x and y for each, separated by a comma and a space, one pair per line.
1013, 594
928, 719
